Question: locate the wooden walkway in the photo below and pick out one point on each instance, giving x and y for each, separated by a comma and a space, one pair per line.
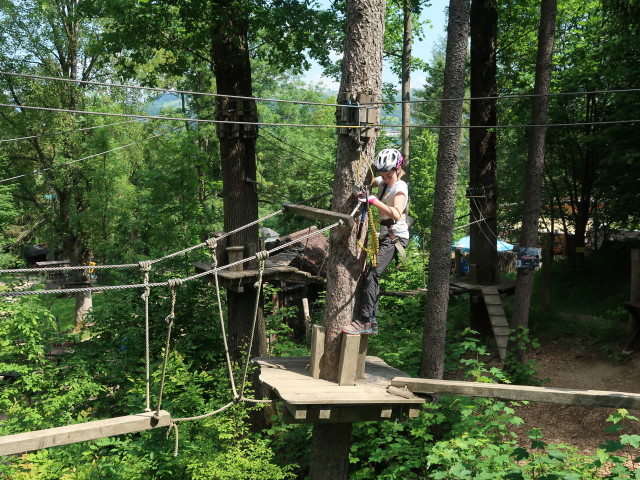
564, 396
312, 400
81, 432
498, 319
237, 280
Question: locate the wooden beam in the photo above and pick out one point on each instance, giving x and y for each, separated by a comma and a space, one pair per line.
317, 350
318, 214
80, 432
565, 396
349, 413
362, 356
348, 364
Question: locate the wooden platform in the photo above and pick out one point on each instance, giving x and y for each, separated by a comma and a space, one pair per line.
461, 286
237, 280
310, 400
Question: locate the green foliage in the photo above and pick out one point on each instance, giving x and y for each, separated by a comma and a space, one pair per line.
522, 373
278, 320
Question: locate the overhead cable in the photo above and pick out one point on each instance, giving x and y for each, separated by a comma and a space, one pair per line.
2, 140
170, 90
301, 102
381, 125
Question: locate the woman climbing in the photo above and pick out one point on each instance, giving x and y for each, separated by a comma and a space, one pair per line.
391, 202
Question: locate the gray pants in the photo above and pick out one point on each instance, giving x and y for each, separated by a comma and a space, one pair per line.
371, 293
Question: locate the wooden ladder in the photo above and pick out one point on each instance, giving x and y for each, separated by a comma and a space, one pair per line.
498, 319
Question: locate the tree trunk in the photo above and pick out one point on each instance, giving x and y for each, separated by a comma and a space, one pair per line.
535, 164
232, 70
407, 41
437, 300
361, 74
482, 142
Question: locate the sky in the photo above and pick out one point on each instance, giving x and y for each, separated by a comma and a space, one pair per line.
435, 13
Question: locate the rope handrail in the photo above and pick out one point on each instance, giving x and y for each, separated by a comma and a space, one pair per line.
136, 265
160, 284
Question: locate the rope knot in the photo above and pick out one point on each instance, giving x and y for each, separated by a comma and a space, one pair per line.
175, 282
145, 265
262, 255
212, 243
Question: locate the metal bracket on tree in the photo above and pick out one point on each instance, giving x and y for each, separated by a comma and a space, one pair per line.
359, 110
241, 114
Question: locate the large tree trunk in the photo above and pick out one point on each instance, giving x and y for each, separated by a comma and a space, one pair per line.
361, 74
232, 69
435, 326
535, 165
482, 139
407, 41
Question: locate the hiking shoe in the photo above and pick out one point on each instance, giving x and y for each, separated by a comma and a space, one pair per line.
357, 327
374, 328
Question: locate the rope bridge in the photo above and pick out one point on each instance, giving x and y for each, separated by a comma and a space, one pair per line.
13, 444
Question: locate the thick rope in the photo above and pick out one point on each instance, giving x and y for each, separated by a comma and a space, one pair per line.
145, 266
173, 285
165, 284
261, 257
214, 263
135, 265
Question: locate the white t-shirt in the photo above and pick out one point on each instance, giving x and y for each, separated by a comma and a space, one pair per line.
400, 228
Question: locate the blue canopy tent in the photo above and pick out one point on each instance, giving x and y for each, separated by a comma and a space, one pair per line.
464, 245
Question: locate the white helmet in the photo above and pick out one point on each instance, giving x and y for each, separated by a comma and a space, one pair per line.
388, 159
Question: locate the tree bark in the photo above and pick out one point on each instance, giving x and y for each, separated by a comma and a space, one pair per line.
407, 42
232, 69
482, 142
437, 299
535, 166
361, 74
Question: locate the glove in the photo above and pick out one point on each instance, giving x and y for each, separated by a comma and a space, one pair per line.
366, 198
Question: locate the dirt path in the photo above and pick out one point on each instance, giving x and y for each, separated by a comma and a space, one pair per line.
579, 366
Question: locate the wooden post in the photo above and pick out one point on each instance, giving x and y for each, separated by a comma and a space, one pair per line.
458, 263
307, 317
317, 350
635, 286
547, 260
348, 366
235, 254
362, 356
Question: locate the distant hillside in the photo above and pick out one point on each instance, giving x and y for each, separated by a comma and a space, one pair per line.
165, 101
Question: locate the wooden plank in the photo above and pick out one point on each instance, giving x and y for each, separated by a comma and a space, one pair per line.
492, 299
495, 309
499, 331
348, 365
317, 350
565, 396
81, 432
497, 318
318, 214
